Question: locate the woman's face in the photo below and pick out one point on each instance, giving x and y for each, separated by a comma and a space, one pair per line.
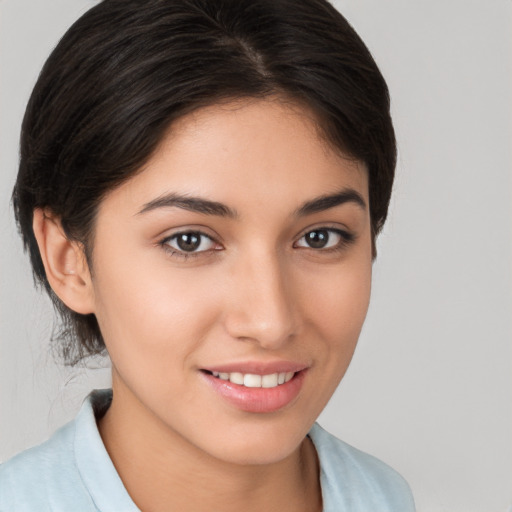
239, 257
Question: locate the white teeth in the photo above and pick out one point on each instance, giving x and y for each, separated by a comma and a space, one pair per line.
269, 381
251, 380
236, 378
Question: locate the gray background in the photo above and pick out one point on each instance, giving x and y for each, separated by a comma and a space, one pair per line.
429, 390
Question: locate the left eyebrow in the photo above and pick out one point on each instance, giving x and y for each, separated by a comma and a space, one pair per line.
326, 202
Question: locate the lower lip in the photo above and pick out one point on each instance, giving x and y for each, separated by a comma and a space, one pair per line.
258, 400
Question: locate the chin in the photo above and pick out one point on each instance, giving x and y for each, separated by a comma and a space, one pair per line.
259, 442
257, 453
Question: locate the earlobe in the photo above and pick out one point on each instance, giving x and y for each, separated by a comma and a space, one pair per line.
64, 263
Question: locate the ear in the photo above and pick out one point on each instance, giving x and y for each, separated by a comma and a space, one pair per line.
64, 262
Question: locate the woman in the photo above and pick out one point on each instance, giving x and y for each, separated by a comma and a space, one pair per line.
200, 188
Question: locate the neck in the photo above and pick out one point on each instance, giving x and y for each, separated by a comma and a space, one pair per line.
162, 471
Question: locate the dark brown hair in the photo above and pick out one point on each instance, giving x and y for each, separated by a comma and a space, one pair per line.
128, 68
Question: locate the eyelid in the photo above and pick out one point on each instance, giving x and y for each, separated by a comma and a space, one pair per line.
339, 228
176, 251
346, 237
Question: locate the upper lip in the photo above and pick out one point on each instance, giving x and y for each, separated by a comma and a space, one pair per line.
258, 367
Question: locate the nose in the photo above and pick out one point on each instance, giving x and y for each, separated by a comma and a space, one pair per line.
261, 306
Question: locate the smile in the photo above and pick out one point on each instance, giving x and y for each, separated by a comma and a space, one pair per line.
251, 380
258, 389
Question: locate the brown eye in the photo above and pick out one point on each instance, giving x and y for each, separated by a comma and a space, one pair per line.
190, 241
324, 238
317, 239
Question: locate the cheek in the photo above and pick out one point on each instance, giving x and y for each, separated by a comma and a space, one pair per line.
334, 306
338, 301
347, 301
150, 311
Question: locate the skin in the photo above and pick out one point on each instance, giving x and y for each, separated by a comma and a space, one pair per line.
255, 291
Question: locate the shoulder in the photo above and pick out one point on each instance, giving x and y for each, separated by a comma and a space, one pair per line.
356, 481
44, 478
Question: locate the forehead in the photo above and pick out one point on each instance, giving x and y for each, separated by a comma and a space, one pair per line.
245, 153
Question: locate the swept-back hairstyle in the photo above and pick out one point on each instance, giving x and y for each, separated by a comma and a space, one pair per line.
127, 69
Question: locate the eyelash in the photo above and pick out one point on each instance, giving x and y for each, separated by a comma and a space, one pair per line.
346, 239
178, 253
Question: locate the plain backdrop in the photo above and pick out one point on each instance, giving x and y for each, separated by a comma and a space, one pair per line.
429, 390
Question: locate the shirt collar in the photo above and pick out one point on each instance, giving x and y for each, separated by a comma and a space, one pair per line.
94, 464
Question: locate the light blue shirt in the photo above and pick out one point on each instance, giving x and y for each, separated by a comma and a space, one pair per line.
72, 472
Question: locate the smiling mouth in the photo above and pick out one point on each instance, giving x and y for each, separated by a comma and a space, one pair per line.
257, 391
251, 380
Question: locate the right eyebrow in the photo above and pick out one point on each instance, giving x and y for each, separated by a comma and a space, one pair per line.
191, 203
